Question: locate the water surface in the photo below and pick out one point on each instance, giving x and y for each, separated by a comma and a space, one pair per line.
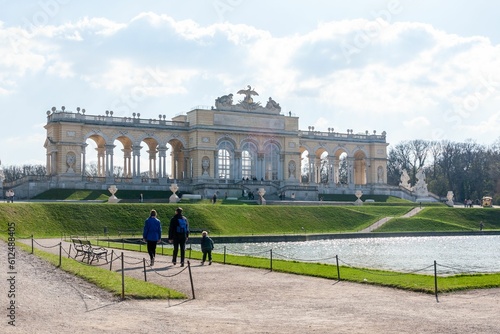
453, 254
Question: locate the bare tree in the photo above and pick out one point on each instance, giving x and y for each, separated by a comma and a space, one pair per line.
13, 173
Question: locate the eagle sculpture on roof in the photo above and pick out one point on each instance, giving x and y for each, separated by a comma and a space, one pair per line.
248, 94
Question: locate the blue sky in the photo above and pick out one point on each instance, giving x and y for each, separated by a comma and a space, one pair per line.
415, 69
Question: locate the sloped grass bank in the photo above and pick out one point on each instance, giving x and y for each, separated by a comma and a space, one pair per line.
56, 219
108, 280
445, 220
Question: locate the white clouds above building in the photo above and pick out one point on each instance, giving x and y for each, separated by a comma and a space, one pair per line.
398, 67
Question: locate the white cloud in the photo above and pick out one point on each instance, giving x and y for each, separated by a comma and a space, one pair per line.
148, 81
408, 78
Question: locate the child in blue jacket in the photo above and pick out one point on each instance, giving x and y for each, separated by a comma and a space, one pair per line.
207, 245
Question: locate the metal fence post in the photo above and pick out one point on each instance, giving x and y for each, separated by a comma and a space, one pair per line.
338, 268
123, 278
271, 258
60, 254
435, 281
191, 278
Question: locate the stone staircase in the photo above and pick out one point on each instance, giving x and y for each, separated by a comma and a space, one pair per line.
382, 221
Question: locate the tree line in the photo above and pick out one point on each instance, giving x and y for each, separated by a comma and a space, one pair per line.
13, 172
468, 169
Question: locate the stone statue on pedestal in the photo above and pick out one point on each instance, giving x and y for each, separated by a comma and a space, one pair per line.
405, 180
420, 188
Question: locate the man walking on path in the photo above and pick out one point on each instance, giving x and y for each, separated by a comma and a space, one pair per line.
178, 234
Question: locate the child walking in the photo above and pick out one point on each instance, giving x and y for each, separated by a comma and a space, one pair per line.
207, 245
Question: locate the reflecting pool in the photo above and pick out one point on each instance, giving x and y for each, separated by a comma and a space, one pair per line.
453, 254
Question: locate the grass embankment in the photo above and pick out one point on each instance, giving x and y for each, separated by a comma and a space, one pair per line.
445, 220
100, 195
108, 280
56, 219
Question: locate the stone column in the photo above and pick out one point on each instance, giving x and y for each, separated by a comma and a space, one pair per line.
152, 163
100, 161
126, 162
84, 159
312, 175
53, 163
237, 166
109, 160
331, 170
260, 166
281, 167
162, 154
350, 171
136, 151
48, 162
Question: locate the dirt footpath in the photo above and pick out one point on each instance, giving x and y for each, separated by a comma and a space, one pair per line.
231, 299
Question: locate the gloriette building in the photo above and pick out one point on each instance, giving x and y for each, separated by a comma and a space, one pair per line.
232, 148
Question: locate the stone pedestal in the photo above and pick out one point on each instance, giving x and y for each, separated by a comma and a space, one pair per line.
358, 194
113, 199
174, 198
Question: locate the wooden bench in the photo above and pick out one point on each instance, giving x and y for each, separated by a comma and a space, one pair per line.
89, 252
80, 249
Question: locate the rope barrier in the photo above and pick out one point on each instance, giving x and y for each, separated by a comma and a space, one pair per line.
251, 253
304, 260
462, 270
388, 274
132, 263
56, 245
167, 276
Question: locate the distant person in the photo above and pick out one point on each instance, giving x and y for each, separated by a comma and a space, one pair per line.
141, 198
207, 245
152, 234
481, 226
214, 198
178, 234
10, 196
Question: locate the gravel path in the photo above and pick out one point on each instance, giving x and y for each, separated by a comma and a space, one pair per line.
231, 299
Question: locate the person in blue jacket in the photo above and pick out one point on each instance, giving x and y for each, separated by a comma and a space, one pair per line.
207, 245
151, 234
178, 234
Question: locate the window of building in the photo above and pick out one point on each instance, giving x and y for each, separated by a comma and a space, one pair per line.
248, 161
224, 160
271, 161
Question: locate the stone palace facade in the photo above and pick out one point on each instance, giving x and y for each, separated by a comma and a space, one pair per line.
231, 148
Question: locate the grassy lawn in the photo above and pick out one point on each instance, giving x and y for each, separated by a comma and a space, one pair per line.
108, 280
57, 219
445, 220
